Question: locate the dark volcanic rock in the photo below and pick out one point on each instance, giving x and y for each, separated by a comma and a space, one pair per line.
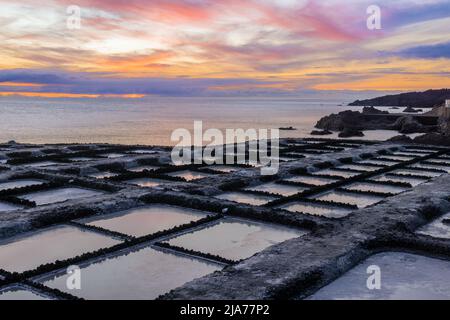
321, 132
287, 129
412, 110
350, 132
374, 119
344, 119
408, 125
433, 139
372, 110
354, 120
401, 139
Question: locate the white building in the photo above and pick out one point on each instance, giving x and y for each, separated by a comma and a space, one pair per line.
447, 103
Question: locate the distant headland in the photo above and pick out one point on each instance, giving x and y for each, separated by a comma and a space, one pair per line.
426, 99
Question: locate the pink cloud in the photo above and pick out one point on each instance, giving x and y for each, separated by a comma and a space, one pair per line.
313, 20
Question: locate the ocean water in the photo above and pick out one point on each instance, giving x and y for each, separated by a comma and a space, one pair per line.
150, 121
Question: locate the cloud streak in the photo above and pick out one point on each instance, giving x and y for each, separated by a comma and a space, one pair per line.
176, 47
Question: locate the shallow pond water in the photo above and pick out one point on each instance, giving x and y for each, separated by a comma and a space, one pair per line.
146, 220
361, 201
316, 209
82, 159
4, 207
142, 274
147, 182
19, 293
437, 228
222, 168
440, 161
383, 160
413, 181
404, 276
397, 158
143, 168
246, 198
42, 164
59, 195
189, 175
418, 150
103, 175
422, 173
431, 166
143, 151
235, 239
377, 162
30, 250
367, 186
112, 155
410, 154
315, 181
278, 189
20, 184
360, 167
286, 159
337, 173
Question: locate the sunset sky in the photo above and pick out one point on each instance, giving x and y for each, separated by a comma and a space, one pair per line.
133, 48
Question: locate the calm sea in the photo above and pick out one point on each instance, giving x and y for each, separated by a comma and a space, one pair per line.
150, 121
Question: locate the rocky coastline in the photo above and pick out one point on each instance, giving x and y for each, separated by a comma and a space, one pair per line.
434, 124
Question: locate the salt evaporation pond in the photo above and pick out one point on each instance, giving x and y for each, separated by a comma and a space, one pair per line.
59, 195
112, 155
431, 166
82, 159
20, 184
146, 182
103, 175
425, 174
146, 220
134, 275
316, 209
404, 276
315, 181
377, 162
15, 293
360, 167
251, 199
279, 189
397, 158
235, 239
30, 250
338, 173
361, 201
367, 186
42, 164
413, 181
143, 168
222, 169
410, 154
189, 175
4, 207
440, 161
143, 151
